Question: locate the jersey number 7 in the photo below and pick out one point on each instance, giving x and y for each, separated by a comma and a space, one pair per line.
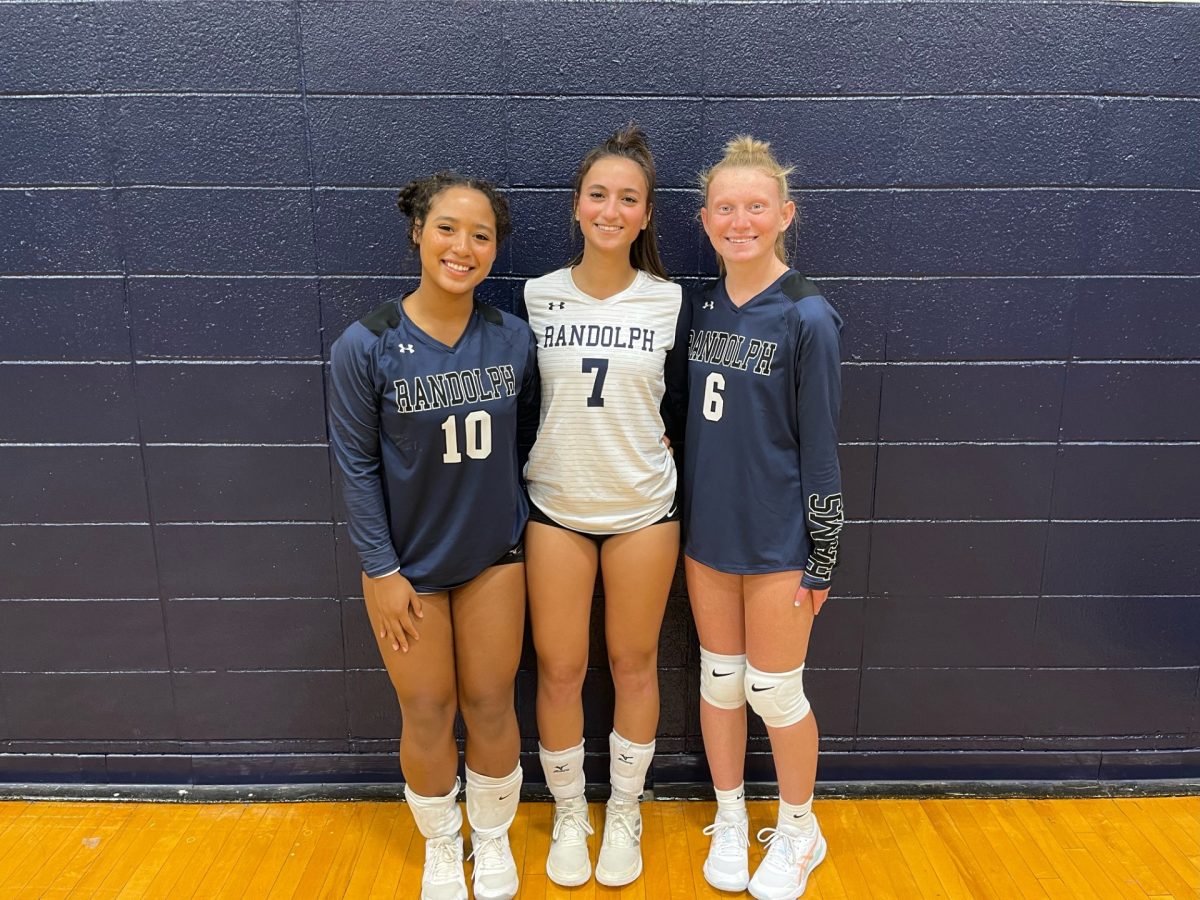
600, 367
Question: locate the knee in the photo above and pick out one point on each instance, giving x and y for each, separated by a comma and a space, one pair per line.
428, 718
634, 671
722, 679
487, 710
561, 676
778, 697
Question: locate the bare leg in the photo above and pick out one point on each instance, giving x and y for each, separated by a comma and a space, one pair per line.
424, 681
637, 568
489, 625
561, 572
720, 622
777, 633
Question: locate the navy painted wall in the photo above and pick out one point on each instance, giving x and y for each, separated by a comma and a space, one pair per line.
1002, 199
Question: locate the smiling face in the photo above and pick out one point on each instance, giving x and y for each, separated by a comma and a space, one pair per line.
744, 215
457, 240
612, 205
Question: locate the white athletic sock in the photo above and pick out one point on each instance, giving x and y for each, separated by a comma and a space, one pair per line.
436, 817
564, 771
797, 816
492, 802
733, 802
627, 767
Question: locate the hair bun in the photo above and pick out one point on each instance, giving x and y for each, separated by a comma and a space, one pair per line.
415, 198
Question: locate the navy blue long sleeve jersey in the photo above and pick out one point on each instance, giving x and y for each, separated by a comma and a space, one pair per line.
763, 485
426, 440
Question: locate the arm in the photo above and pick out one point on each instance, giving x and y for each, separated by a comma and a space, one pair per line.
354, 438
818, 399
529, 406
675, 374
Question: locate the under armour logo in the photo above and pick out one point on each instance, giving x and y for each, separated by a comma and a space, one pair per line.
717, 674
405, 348
559, 305
756, 688
561, 768
707, 304
626, 759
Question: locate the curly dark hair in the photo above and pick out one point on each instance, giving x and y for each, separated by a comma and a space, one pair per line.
627, 143
418, 195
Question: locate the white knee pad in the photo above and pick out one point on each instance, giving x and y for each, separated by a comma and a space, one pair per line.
777, 696
722, 679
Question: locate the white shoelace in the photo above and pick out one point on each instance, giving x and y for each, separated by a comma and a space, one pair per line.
488, 854
575, 823
446, 860
729, 837
783, 850
626, 827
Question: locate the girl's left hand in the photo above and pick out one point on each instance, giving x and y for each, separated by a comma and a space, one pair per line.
818, 598
666, 442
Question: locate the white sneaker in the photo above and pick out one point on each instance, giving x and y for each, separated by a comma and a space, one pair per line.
443, 876
620, 859
568, 864
495, 874
727, 867
791, 857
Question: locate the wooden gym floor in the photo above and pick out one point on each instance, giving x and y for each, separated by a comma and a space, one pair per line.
1130, 848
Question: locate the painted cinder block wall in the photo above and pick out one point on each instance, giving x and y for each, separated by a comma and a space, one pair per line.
1002, 199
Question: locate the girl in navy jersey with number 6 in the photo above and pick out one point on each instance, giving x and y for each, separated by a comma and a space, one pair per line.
427, 395
602, 488
764, 509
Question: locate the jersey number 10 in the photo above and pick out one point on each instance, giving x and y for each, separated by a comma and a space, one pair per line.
478, 428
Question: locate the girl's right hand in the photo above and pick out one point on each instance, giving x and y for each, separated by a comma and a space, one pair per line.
397, 606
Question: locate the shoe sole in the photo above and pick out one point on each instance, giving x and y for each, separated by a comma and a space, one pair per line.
818, 858
619, 880
563, 881
732, 886
506, 894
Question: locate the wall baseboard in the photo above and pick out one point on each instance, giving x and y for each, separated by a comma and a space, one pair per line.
312, 776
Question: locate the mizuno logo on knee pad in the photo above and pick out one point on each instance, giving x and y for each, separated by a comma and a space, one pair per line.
563, 768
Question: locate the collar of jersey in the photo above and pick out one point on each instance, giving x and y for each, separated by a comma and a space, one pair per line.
584, 295
719, 288
413, 330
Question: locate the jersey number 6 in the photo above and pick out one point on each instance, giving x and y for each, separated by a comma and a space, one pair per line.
714, 403
478, 427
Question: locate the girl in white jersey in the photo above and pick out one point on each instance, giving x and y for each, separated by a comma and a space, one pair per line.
602, 486
764, 511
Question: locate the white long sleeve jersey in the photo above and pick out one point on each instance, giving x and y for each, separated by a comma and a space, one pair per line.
599, 465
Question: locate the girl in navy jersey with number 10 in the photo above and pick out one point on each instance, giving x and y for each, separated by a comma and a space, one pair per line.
427, 395
764, 510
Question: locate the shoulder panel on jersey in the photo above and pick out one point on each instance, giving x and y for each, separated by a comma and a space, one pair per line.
706, 290
796, 287
382, 318
490, 314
